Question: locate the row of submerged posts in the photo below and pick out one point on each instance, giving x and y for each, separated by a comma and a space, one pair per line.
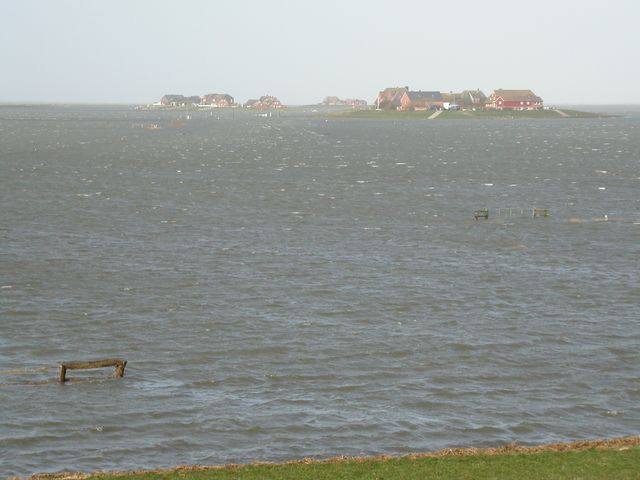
483, 213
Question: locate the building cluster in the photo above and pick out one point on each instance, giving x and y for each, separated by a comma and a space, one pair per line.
179, 101
264, 102
402, 98
217, 100
396, 98
349, 102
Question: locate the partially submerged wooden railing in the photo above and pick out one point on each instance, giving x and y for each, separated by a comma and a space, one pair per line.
111, 362
513, 212
540, 212
482, 213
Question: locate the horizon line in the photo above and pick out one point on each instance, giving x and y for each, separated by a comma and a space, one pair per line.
15, 103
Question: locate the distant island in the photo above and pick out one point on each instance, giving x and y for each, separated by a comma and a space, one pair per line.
399, 103
405, 99
214, 100
465, 114
402, 102
224, 100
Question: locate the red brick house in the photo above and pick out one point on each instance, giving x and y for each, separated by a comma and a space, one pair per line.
266, 101
217, 100
421, 100
390, 98
514, 100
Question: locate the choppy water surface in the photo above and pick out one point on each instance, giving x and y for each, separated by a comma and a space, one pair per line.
297, 286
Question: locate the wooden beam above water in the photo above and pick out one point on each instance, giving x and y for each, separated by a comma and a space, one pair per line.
118, 363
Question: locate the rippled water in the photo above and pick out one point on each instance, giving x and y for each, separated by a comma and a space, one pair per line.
299, 286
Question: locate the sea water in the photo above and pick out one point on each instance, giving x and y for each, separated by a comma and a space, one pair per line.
310, 286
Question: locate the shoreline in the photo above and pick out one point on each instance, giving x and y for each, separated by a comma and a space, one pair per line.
555, 113
618, 443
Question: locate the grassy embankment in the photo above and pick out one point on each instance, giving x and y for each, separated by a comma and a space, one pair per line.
604, 459
446, 115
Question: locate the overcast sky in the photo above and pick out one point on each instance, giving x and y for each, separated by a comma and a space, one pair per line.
134, 51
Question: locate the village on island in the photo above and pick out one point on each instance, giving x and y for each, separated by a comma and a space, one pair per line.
395, 98
404, 99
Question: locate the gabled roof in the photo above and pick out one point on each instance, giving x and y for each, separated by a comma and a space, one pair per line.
516, 95
391, 97
394, 90
265, 101
420, 95
474, 94
466, 97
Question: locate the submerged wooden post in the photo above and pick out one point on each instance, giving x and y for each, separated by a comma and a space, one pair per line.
111, 362
540, 212
119, 371
483, 213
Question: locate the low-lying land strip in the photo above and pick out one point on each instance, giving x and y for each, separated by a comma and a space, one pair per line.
469, 114
594, 459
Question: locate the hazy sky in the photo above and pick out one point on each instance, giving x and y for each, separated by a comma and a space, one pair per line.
134, 51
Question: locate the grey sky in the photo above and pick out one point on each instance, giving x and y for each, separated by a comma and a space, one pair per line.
134, 51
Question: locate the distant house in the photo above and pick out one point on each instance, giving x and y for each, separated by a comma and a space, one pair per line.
217, 100
421, 100
331, 101
350, 102
179, 101
171, 100
514, 100
467, 99
264, 102
390, 98
355, 102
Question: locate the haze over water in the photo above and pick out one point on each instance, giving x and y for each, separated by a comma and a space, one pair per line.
300, 286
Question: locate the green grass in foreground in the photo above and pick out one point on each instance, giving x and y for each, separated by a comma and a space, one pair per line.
447, 115
589, 464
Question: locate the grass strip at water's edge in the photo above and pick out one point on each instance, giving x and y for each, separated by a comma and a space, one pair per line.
466, 114
595, 459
